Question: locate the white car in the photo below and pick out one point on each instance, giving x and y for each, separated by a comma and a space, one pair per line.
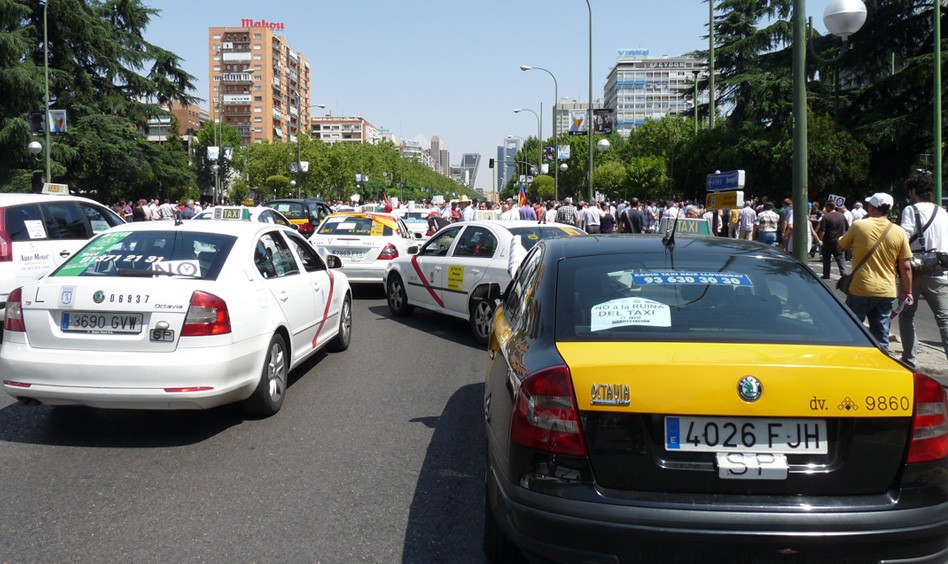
463, 268
262, 214
366, 242
156, 315
39, 231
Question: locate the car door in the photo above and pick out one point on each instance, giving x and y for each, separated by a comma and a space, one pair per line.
467, 266
322, 282
294, 292
425, 279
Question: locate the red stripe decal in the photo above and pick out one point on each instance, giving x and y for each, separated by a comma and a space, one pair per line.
332, 281
414, 263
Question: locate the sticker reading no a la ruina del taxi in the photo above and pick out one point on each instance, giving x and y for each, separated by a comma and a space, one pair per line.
629, 311
455, 277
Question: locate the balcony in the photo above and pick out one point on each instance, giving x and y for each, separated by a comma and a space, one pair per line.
277, 114
237, 99
237, 77
236, 56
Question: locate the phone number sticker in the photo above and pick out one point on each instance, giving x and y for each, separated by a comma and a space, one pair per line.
691, 278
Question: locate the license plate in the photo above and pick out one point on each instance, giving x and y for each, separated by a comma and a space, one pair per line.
745, 434
751, 466
88, 322
162, 335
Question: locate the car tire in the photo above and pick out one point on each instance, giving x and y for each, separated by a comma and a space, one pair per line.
482, 319
267, 399
341, 341
397, 297
498, 548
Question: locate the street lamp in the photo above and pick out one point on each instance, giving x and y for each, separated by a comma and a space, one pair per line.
35, 147
556, 143
936, 130
589, 116
49, 177
842, 17
539, 132
299, 157
214, 170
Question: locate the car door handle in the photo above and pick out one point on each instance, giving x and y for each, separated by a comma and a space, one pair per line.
64, 253
284, 296
475, 271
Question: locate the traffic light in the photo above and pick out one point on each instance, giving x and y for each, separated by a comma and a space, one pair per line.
490, 163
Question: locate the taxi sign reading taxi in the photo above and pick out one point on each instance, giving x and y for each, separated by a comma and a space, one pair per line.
685, 225
231, 212
730, 180
724, 200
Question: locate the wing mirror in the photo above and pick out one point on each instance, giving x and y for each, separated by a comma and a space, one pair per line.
412, 250
333, 261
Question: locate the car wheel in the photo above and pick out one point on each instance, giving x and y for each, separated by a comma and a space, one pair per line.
341, 340
397, 298
497, 546
482, 319
267, 399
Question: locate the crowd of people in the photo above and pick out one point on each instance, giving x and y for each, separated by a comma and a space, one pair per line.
153, 209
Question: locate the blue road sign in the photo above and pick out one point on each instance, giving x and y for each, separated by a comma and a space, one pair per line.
730, 180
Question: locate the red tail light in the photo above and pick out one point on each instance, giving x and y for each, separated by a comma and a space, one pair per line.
306, 228
6, 243
930, 432
207, 315
388, 253
14, 312
545, 415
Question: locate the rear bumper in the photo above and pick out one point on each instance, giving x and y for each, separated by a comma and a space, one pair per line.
134, 380
549, 528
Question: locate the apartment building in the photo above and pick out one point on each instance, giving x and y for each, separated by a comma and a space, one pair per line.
356, 130
259, 84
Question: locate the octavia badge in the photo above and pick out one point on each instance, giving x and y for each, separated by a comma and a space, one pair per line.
749, 388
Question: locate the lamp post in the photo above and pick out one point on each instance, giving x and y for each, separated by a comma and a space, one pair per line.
299, 157
842, 17
936, 130
695, 74
711, 64
539, 133
49, 177
556, 143
589, 115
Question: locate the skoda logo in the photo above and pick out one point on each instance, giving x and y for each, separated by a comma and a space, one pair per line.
749, 388
98, 297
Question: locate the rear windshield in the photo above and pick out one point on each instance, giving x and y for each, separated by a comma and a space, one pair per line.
651, 297
292, 210
151, 253
532, 234
357, 225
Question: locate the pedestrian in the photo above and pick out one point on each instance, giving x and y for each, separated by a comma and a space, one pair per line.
567, 213
832, 227
927, 227
550, 216
187, 212
745, 221
887, 272
785, 212
527, 213
590, 217
436, 222
766, 225
467, 210
607, 223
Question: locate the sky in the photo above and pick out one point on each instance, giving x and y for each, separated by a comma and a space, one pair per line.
447, 68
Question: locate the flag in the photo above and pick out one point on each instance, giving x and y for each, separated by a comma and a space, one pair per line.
522, 197
577, 122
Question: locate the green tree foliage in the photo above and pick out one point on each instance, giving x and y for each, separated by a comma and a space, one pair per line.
610, 179
542, 188
108, 79
647, 178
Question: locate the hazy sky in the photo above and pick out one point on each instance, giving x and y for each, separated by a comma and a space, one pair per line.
449, 68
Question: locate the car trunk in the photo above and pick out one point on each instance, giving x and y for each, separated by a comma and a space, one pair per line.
357, 250
111, 314
669, 417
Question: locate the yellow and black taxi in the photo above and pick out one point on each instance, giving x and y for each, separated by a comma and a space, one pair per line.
671, 402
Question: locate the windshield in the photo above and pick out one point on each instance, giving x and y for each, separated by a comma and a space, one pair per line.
357, 225
533, 234
648, 297
138, 253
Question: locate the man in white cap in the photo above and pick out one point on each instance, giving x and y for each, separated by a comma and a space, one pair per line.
874, 287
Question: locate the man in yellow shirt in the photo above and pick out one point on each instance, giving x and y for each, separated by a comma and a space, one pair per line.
874, 287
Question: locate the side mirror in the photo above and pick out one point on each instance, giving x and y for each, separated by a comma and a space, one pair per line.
333, 261
412, 250
417, 235
295, 226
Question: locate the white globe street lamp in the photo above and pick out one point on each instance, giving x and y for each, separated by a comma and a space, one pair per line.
844, 17
603, 145
35, 148
564, 167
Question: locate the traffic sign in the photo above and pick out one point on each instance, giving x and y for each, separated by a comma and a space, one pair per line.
724, 200
685, 225
731, 180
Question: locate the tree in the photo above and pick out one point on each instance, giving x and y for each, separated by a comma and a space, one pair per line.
542, 188
647, 178
106, 76
610, 179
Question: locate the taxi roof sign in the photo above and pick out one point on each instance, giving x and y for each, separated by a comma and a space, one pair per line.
55, 189
238, 213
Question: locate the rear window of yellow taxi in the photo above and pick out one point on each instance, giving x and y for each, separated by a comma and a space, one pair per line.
360, 225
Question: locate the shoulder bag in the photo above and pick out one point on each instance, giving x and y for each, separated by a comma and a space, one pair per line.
926, 262
845, 280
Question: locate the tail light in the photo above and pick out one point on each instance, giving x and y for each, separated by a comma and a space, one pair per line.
930, 423
306, 228
207, 315
545, 415
388, 253
6, 243
14, 312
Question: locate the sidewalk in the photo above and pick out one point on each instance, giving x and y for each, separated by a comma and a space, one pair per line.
930, 360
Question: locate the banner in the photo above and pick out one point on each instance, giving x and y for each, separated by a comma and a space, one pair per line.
577, 122
294, 167
549, 152
564, 152
602, 121
228, 153
213, 153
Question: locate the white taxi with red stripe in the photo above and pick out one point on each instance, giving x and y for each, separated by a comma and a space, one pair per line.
463, 268
366, 242
175, 315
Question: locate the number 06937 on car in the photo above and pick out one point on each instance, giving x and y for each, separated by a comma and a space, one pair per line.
745, 434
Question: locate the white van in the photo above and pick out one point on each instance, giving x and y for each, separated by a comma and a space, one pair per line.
39, 231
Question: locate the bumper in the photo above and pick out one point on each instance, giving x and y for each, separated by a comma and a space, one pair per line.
548, 528
134, 380
364, 273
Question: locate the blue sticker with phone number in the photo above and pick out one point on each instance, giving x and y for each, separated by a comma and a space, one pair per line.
691, 278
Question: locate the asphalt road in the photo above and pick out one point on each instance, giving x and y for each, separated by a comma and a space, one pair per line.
377, 456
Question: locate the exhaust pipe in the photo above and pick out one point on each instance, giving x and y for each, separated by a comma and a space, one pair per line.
28, 401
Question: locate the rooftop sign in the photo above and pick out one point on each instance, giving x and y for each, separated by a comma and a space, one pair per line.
623, 53
250, 22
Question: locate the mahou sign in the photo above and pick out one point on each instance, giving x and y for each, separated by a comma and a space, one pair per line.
250, 22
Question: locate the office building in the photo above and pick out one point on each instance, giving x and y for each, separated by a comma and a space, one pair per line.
189, 120
469, 163
355, 130
565, 108
259, 84
640, 87
505, 167
436, 152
